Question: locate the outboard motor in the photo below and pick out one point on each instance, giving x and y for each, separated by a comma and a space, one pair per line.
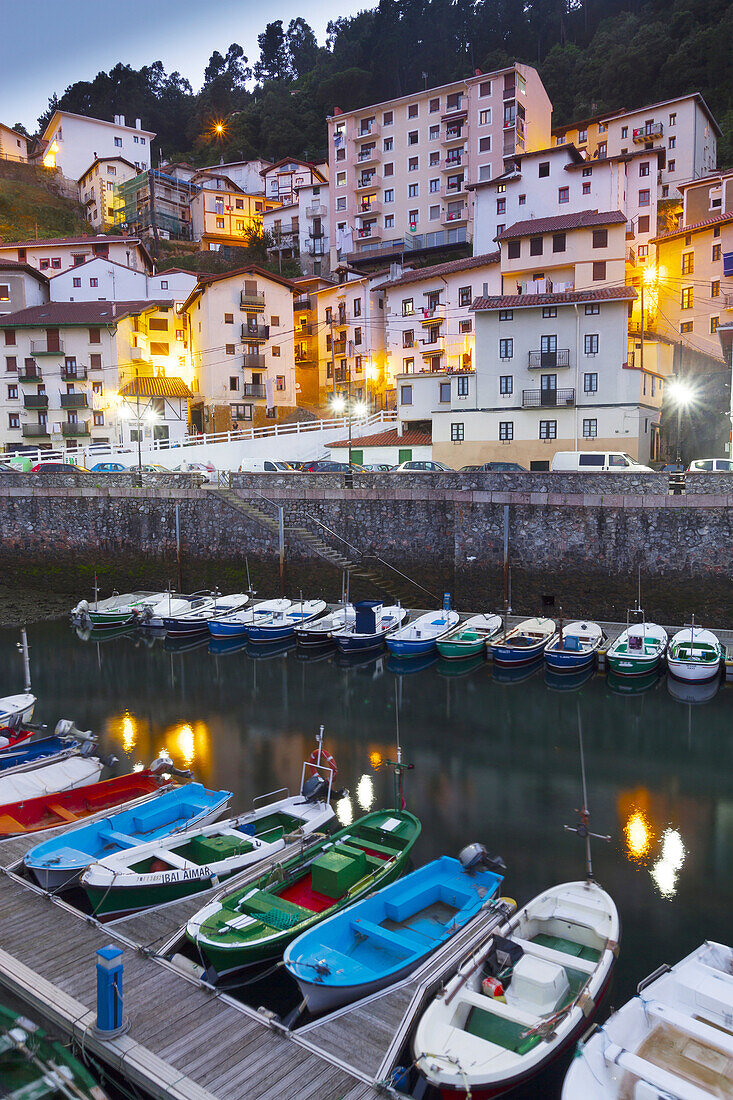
315, 789
164, 765
65, 728
81, 610
474, 857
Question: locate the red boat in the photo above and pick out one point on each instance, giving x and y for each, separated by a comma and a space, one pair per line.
50, 810
10, 737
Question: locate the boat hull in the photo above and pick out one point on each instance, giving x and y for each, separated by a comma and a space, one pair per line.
454, 650
509, 656
408, 647
624, 665
563, 662
101, 621
180, 628
693, 672
325, 998
34, 815
220, 629
108, 904
360, 643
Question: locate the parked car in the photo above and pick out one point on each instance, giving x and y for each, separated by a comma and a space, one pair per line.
468, 469
502, 468
597, 462
264, 465
377, 467
58, 468
328, 466
295, 465
424, 466
711, 466
148, 468
108, 468
206, 470
672, 468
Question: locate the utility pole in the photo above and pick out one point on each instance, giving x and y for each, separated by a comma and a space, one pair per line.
333, 358
349, 407
139, 430
641, 364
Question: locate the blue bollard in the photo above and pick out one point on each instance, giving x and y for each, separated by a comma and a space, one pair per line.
109, 989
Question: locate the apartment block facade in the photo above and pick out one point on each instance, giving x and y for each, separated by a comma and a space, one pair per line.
350, 334
282, 181
98, 188
21, 286
155, 203
72, 142
101, 280
61, 253
221, 213
300, 229
399, 169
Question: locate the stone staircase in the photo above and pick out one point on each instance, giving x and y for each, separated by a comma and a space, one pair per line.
382, 579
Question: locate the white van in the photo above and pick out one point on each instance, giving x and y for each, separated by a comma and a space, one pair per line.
263, 466
711, 466
597, 462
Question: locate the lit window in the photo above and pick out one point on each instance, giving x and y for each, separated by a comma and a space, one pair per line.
688, 263
687, 297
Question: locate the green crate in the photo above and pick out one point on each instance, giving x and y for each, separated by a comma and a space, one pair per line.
333, 874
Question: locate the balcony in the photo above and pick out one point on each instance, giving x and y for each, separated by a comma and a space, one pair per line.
251, 301
448, 217
74, 401
641, 134
315, 234
80, 427
315, 210
339, 347
318, 246
547, 399
305, 330
40, 347
255, 333
254, 389
253, 361
29, 373
361, 132
307, 359
35, 400
373, 207
369, 156
303, 302
549, 360
452, 164
368, 182
431, 315
371, 232
73, 374
453, 114
453, 190
451, 135
36, 431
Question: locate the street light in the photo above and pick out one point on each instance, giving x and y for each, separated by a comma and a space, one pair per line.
682, 396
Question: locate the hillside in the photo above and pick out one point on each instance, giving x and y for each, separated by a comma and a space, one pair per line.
33, 204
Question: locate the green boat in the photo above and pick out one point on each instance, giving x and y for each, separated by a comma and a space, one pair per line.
258, 921
469, 637
114, 612
33, 1066
638, 649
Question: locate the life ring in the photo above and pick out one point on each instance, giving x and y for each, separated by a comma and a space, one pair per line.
327, 761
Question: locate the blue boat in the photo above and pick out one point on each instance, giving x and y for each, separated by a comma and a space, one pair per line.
422, 633
32, 754
382, 939
58, 862
281, 624
372, 623
196, 621
233, 626
574, 647
522, 645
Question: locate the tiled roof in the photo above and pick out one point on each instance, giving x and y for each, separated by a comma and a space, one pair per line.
716, 219
581, 219
43, 241
252, 269
76, 313
417, 274
146, 386
14, 265
567, 297
413, 437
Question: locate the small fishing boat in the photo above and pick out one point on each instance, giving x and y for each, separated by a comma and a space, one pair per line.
49, 776
17, 709
421, 635
196, 621
522, 997
233, 626
523, 644
372, 623
31, 754
32, 1065
280, 625
150, 614
469, 637
10, 736
315, 635
638, 649
383, 938
258, 921
58, 862
694, 655
201, 858
48, 811
116, 611
672, 1040
574, 647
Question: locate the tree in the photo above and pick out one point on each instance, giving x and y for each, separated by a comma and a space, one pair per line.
274, 62
302, 47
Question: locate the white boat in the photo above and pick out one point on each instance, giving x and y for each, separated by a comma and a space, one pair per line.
118, 610
152, 613
673, 1041
232, 626
574, 647
196, 621
281, 624
320, 632
372, 623
694, 655
59, 775
15, 710
552, 961
421, 635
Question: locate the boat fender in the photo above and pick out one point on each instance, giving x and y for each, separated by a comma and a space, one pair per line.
492, 987
614, 947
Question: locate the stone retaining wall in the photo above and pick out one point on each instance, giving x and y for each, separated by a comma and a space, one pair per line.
541, 482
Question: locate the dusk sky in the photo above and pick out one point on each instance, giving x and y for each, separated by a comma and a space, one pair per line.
75, 39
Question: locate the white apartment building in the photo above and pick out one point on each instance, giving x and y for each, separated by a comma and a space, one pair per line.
586, 248
283, 179
241, 337
72, 142
247, 174
299, 229
21, 286
399, 169
555, 181
97, 188
350, 333
60, 253
101, 280
684, 127
13, 145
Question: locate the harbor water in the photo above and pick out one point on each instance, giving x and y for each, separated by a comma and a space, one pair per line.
496, 760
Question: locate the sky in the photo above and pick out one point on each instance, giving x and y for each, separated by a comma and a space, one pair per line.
57, 42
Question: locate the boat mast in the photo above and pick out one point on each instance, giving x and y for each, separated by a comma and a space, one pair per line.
582, 829
399, 766
23, 647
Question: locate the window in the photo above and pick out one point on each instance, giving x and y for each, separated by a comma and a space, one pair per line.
412, 110
599, 270
408, 338
75, 282
590, 383
118, 142
9, 337
413, 216
405, 395
94, 282
434, 213
412, 137
687, 298
535, 246
624, 132
484, 145
413, 190
644, 167
563, 194
357, 307
275, 352
388, 118
56, 263
484, 118
228, 318
462, 385
686, 326
219, 223
688, 263
434, 106
715, 288
586, 189
501, 206
413, 164
434, 160
671, 165
13, 420
341, 179
44, 265
11, 363
98, 419
591, 343
716, 231
558, 242
644, 197
444, 391
506, 348
714, 322
357, 336
465, 294
280, 382
513, 249
544, 168
389, 221
592, 309
506, 314
484, 88
506, 384
665, 190
95, 336
548, 429
230, 348
506, 430
12, 393
600, 238
95, 361
388, 145
408, 366
389, 169
673, 118
407, 307
341, 203
434, 133
233, 383
549, 311
590, 429
456, 433
716, 252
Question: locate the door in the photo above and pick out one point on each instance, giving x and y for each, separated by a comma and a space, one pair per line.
548, 351
548, 389
53, 343
404, 455
357, 457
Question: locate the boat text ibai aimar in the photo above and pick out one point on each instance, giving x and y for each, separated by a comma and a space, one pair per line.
258, 921
639, 648
383, 938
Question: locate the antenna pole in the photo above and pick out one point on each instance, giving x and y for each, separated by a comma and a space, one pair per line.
23, 647
582, 828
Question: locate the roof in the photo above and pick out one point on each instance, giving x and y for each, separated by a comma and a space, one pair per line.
101, 238
102, 160
659, 151
702, 181
101, 121
211, 173
145, 386
252, 269
716, 219
413, 437
338, 113
15, 266
583, 123
418, 274
663, 103
293, 160
566, 298
77, 313
4, 126
581, 219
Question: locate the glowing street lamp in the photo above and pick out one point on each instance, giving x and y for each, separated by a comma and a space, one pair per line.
682, 396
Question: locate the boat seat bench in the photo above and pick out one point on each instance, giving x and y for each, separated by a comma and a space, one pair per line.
404, 905
122, 840
550, 954
392, 941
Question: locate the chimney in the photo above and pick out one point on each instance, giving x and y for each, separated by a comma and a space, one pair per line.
337, 111
122, 120
478, 72
138, 124
486, 290
399, 429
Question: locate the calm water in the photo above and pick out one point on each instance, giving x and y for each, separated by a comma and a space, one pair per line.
495, 762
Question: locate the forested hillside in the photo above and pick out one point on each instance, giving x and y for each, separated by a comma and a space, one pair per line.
593, 55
